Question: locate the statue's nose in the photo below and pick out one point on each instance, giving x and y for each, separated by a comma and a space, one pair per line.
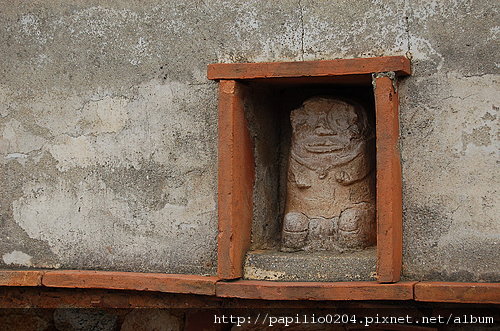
323, 129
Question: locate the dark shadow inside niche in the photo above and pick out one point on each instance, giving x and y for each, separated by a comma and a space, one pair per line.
268, 104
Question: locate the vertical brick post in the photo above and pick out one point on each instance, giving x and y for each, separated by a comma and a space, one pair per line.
389, 196
236, 179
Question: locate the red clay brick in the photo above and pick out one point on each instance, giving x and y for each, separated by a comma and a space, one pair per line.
269, 290
236, 178
458, 292
399, 64
21, 277
389, 195
130, 281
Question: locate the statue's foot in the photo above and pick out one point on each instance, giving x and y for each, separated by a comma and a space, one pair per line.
295, 230
321, 234
357, 226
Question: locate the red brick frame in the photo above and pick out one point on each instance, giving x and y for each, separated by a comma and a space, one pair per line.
236, 178
236, 173
389, 187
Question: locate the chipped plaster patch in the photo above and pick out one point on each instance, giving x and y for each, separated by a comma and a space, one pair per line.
5, 100
494, 32
75, 116
16, 142
473, 103
465, 162
17, 258
16, 156
30, 26
140, 50
480, 136
123, 132
73, 152
422, 49
89, 221
444, 9
262, 274
106, 115
365, 27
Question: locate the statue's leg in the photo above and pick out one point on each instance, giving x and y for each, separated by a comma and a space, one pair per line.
295, 229
321, 233
357, 226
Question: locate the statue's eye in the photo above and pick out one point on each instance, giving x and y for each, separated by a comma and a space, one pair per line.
341, 118
298, 119
354, 129
339, 123
332, 118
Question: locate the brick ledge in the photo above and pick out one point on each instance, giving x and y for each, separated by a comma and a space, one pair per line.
424, 291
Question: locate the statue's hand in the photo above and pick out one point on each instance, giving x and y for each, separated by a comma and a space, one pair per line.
342, 177
300, 180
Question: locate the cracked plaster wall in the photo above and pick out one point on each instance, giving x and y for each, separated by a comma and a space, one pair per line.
108, 125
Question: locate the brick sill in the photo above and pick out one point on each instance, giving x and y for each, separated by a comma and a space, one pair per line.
426, 291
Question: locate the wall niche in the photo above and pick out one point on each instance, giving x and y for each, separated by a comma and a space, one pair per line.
308, 223
309, 173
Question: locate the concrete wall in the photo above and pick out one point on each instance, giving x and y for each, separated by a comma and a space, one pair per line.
108, 125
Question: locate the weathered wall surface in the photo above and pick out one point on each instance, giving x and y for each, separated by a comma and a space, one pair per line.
108, 125
449, 142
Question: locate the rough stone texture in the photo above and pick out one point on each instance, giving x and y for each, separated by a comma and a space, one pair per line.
152, 319
84, 319
108, 125
262, 115
330, 201
26, 320
267, 109
311, 266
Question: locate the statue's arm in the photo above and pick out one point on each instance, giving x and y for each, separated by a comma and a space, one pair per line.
355, 170
298, 176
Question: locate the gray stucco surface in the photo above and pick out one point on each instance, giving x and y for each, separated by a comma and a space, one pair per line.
108, 125
311, 266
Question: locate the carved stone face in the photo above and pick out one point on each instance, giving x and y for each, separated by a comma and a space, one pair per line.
326, 132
